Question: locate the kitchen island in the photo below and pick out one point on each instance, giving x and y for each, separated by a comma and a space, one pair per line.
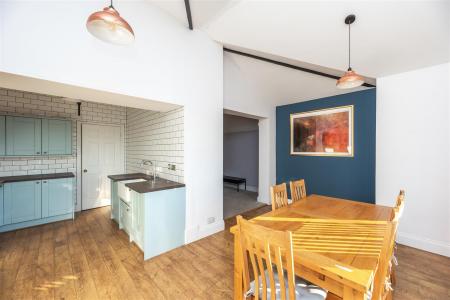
150, 210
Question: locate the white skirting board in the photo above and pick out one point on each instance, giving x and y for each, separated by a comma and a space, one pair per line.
425, 244
197, 233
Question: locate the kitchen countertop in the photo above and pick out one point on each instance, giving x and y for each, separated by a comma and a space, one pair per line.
129, 176
8, 179
148, 186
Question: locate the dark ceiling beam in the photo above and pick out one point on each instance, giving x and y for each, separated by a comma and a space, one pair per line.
188, 13
283, 64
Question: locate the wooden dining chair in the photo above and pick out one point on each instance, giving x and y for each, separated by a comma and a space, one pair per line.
382, 284
271, 258
397, 213
298, 189
278, 193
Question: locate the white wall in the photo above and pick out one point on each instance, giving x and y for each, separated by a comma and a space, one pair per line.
413, 153
243, 95
48, 40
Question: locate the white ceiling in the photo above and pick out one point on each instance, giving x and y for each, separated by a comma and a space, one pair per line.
202, 11
71, 92
388, 37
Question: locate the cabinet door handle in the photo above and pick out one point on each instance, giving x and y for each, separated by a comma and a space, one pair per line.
37, 182
38, 152
45, 152
44, 181
85, 171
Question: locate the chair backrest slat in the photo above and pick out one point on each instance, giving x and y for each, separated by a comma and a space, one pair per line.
278, 193
266, 248
298, 189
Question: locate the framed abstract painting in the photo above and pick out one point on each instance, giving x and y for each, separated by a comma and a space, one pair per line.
325, 132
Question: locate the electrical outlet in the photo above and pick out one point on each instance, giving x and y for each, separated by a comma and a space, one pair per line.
211, 220
172, 167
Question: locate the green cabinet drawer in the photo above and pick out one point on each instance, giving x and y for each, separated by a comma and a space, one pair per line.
23, 136
56, 136
57, 197
22, 201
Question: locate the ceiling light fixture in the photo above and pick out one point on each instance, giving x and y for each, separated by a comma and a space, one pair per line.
350, 79
108, 26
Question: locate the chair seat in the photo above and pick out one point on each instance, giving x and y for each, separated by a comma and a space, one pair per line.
303, 289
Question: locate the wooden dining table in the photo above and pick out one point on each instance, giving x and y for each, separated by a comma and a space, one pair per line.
336, 242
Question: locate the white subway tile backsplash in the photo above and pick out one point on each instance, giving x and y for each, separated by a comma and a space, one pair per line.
149, 135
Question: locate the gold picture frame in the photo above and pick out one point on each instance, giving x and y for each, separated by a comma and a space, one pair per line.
309, 131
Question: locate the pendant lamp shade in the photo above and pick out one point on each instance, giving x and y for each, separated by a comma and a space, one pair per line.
108, 26
350, 79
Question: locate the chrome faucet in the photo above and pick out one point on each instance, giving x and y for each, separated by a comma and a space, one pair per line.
146, 162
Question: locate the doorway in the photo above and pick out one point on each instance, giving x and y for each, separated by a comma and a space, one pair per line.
240, 165
102, 154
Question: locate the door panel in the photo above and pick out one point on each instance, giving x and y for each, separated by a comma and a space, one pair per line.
56, 136
22, 201
23, 136
102, 155
57, 197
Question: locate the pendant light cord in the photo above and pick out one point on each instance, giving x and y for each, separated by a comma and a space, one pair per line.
111, 5
349, 48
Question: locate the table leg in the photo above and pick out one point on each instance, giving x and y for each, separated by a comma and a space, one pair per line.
238, 293
245, 182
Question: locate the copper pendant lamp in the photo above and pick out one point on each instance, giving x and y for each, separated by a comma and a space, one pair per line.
108, 26
350, 79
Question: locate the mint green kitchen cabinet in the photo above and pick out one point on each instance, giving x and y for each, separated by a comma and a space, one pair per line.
22, 201
1, 204
115, 202
2, 135
56, 136
23, 136
57, 197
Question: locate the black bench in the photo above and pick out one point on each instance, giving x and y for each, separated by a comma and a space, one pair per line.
235, 180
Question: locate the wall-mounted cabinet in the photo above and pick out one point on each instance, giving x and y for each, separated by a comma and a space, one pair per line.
24, 136
2, 136
56, 137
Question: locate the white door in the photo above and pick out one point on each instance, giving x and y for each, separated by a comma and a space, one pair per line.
102, 154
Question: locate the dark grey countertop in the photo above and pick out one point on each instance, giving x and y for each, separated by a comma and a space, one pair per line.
148, 186
8, 179
130, 176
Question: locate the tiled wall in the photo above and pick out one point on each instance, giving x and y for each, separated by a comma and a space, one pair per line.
20, 103
158, 137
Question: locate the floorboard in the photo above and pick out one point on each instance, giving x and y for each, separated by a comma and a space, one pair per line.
90, 258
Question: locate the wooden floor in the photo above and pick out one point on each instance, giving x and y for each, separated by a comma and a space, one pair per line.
91, 259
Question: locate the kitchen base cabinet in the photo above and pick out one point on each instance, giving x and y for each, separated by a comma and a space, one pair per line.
158, 220
57, 197
29, 203
22, 201
115, 202
125, 218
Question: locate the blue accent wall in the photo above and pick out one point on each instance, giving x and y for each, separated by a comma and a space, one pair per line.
344, 177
